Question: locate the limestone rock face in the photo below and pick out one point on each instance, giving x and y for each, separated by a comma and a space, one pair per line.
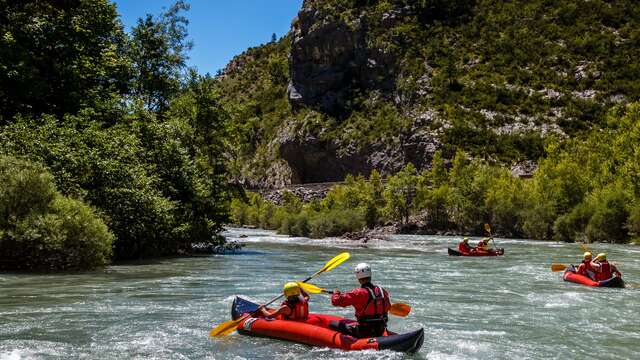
313, 160
330, 59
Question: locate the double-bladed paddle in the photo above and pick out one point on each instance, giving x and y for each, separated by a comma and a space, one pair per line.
487, 228
230, 326
397, 309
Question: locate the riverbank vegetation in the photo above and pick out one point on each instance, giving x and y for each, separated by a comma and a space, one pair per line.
42, 229
584, 190
123, 141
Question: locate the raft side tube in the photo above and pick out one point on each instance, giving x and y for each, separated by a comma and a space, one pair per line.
572, 276
409, 342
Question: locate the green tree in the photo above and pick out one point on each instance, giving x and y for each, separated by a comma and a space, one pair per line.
400, 194
158, 51
438, 174
58, 57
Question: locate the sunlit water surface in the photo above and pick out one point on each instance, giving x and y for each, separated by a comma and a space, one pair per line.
511, 307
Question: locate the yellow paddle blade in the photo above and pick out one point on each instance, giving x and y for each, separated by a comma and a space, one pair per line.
400, 309
339, 259
558, 267
310, 288
487, 228
226, 328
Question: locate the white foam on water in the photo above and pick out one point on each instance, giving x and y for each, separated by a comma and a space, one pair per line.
14, 355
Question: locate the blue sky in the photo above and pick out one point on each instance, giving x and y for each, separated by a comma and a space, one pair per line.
221, 29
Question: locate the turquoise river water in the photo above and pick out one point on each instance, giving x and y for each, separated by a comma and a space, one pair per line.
511, 307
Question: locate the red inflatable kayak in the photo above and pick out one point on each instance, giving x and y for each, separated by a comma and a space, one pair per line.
316, 332
571, 275
497, 252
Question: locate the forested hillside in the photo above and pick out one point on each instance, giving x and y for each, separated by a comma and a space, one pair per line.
363, 85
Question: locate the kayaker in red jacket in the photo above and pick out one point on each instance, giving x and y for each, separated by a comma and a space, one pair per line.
464, 246
370, 302
603, 269
585, 268
295, 307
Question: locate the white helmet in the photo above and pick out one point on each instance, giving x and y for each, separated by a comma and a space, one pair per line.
363, 270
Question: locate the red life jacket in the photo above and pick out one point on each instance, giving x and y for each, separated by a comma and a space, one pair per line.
375, 311
299, 309
586, 269
464, 247
605, 271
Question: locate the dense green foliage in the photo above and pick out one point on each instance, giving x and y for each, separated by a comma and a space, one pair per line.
583, 191
118, 123
58, 57
40, 228
253, 90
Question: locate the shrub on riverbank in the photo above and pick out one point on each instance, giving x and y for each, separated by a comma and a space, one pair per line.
315, 220
42, 230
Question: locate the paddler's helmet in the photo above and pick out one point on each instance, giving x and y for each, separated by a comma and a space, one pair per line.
587, 255
363, 270
601, 257
486, 240
466, 239
291, 289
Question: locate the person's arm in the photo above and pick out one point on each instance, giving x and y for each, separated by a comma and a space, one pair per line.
305, 295
344, 300
614, 270
282, 310
387, 306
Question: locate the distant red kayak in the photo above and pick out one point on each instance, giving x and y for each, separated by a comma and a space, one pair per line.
572, 276
498, 252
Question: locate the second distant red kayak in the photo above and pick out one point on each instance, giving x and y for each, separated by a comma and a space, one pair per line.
571, 275
497, 252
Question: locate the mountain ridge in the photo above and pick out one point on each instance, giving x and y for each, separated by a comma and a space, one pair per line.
363, 85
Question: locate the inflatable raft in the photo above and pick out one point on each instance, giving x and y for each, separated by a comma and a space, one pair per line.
571, 275
498, 252
316, 332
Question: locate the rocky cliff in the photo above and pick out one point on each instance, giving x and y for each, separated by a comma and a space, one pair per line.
330, 57
364, 84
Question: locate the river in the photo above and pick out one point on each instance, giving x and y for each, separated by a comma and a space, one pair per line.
511, 307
